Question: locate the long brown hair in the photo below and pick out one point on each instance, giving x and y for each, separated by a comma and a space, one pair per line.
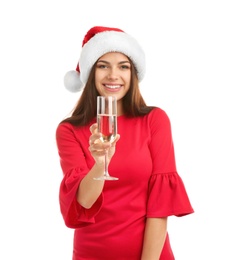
86, 107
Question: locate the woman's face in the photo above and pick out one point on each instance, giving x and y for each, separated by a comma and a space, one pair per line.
113, 75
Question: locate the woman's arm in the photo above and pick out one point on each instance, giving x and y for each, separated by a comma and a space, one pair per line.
90, 189
154, 238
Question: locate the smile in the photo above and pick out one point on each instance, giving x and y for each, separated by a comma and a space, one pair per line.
113, 86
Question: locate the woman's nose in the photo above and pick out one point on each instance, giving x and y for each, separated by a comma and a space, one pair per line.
112, 74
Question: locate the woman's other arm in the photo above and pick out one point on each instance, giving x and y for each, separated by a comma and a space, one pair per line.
154, 238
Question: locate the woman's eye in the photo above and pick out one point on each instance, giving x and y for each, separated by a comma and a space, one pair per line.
102, 66
125, 67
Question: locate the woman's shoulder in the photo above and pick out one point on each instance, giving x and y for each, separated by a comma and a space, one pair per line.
157, 113
64, 130
158, 117
153, 114
63, 126
67, 127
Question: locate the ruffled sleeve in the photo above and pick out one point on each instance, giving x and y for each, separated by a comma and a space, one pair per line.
74, 166
167, 193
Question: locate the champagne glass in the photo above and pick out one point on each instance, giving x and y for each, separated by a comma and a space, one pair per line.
107, 126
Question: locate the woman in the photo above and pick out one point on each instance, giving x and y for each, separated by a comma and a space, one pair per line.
124, 219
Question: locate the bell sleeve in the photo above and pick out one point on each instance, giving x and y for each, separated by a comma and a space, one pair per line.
74, 167
167, 193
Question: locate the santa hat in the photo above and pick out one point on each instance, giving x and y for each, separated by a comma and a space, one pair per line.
97, 42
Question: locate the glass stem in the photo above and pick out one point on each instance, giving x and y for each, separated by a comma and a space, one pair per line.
106, 163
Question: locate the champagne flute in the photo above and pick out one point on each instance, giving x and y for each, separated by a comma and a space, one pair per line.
107, 126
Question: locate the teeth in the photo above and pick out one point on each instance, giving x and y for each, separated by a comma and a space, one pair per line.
109, 86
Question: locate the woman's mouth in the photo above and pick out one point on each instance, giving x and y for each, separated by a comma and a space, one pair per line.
112, 86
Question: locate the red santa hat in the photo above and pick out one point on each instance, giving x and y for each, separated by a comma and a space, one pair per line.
97, 42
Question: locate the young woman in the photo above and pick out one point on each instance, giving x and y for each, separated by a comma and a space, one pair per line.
124, 219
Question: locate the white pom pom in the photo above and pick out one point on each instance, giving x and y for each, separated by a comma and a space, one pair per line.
72, 81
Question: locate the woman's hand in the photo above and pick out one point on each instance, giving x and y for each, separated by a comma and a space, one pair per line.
98, 148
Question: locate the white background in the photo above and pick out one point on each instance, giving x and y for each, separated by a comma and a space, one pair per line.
40, 41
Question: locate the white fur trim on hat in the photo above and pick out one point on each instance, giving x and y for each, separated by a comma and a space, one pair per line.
100, 44
72, 81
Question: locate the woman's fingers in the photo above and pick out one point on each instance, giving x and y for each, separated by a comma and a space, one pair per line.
99, 148
116, 140
93, 128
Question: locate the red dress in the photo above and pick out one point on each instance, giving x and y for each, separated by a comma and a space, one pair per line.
148, 186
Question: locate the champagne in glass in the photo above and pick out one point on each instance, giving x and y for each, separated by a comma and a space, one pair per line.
107, 126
